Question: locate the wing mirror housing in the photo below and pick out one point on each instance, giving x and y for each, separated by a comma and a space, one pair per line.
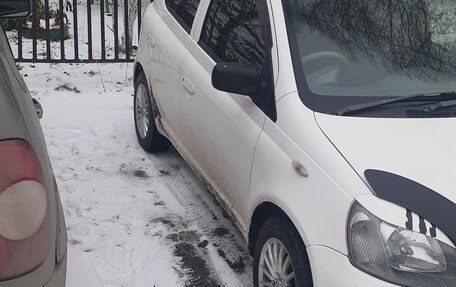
15, 8
236, 78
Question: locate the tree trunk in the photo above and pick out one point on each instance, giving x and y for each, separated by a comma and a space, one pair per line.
131, 16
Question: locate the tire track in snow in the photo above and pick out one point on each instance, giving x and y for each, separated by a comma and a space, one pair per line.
225, 244
231, 246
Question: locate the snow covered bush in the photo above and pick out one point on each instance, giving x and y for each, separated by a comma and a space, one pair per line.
54, 11
40, 17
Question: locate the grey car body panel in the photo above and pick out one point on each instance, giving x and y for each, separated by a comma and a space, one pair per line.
17, 113
18, 120
9, 85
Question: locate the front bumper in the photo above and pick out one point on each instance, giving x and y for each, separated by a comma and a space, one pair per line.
331, 268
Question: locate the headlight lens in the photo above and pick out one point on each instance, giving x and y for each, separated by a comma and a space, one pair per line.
398, 255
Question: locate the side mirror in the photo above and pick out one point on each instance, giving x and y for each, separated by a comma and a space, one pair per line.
236, 78
38, 108
15, 8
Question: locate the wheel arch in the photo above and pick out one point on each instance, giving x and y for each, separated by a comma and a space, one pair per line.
137, 71
262, 213
155, 110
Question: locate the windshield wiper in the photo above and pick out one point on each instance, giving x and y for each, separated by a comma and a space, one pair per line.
441, 105
380, 103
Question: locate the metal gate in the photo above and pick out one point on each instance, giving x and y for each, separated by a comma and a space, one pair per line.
78, 31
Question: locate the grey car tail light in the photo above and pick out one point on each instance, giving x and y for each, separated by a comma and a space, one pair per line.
24, 216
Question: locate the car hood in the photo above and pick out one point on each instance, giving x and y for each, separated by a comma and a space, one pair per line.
422, 150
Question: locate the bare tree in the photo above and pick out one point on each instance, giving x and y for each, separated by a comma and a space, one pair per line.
131, 15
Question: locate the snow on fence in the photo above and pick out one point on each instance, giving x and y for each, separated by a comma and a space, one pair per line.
77, 31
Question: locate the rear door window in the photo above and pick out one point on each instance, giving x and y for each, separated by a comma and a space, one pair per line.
232, 32
184, 11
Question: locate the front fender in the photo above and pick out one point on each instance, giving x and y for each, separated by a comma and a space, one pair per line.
318, 205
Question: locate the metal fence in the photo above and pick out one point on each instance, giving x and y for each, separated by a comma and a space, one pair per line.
47, 48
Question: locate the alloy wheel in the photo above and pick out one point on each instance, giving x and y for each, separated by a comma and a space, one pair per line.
275, 265
142, 108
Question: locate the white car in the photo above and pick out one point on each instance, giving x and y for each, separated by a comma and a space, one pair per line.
325, 127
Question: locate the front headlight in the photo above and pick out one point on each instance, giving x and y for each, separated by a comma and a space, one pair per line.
398, 255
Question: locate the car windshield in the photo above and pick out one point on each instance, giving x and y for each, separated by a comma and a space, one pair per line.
351, 51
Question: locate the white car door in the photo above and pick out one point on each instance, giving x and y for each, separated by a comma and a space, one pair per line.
168, 36
220, 130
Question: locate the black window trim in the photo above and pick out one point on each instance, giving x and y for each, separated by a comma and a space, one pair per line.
317, 103
209, 51
201, 43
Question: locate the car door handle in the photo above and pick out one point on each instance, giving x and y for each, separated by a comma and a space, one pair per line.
188, 85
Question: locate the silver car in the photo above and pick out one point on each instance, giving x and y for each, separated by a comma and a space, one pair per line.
33, 235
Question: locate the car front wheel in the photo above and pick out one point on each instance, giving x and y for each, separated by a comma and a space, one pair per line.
280, 258
147, 133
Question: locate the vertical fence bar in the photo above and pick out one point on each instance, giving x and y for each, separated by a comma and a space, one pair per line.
126, 32
89, 27
48, 30
62, 19
62, 31
75, 30
139, 17
34, 27
19, 39
103, 31
116, 29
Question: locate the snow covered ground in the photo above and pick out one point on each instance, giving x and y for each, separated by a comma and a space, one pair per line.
133, 219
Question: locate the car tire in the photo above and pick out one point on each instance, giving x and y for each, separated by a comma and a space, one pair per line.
279, 233
149, 137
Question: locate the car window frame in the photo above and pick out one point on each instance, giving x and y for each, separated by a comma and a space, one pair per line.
212, 54
180, 20
198, 27
267, 14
